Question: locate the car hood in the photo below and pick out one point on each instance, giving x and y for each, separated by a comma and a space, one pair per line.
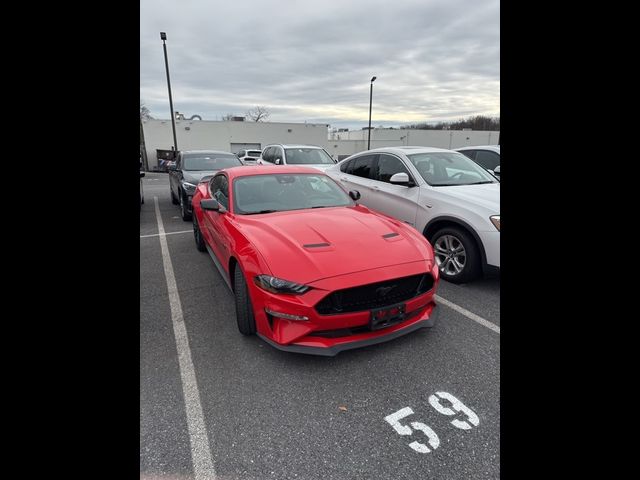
308, 245
194, 176
486, 195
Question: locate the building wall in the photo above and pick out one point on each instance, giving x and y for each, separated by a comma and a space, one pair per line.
219, 135
356, 141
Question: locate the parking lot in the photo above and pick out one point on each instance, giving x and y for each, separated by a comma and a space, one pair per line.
216, 404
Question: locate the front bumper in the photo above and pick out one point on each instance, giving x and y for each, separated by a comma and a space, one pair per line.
329, 334
380, 336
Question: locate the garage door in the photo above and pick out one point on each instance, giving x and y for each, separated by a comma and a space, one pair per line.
236, 147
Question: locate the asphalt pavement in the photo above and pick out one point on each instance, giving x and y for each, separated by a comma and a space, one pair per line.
272, 414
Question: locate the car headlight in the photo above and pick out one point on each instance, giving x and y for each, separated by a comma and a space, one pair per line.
277, 285
495, 219
188, 187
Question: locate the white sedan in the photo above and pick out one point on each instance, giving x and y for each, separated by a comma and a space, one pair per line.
446, 196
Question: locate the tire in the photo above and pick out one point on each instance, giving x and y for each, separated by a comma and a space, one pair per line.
244, 309
197, 234
174, 200
457, 255
183, 209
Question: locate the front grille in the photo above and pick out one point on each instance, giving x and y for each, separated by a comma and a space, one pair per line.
375, 295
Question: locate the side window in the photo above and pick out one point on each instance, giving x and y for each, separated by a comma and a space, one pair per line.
267, 154
488, 160
346, 167
241, 153
220, 190
469, 153
388, 166
277, 153
362, 166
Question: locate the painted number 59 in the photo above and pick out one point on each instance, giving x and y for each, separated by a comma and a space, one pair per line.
432, 438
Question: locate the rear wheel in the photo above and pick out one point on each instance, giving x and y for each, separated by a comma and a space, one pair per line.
244, 309
197, 234
457, 255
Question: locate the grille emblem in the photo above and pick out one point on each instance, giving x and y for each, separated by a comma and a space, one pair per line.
382, 291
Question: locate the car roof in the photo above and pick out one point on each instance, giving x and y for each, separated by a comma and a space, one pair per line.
248, 171
480, 147
408, 149
288, 145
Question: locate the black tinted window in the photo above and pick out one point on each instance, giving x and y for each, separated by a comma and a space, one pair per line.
346, 166
267, 154
487, 159
388, 166
361, 166
469, 153
209, 161
220, 190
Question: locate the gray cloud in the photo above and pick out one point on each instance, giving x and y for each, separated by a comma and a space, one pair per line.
312, 61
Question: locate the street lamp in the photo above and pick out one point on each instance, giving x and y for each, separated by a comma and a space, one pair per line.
373, 79
163, 37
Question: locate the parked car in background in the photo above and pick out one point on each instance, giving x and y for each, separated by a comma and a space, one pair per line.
310, 269
487, 156
307, 155
190, 167
249, 157
447, 197
141, 190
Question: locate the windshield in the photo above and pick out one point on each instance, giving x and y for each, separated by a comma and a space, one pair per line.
210, 161
277, 193
448, 168
308, 156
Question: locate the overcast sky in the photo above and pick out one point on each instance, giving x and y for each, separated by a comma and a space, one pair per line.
312, 60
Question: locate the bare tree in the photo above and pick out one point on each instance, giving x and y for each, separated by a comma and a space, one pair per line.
145, 114
258, 114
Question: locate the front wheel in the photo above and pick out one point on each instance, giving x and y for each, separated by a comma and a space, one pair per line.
244, 309
197, 234
457, 255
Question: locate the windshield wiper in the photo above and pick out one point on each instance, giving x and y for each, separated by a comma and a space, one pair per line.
480, 183
261, 211
322, 206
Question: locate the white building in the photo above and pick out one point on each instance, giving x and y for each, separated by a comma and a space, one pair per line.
232, 136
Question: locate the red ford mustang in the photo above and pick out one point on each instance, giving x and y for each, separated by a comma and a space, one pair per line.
311, 270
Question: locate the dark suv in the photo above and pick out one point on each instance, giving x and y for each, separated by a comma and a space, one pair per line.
190, 167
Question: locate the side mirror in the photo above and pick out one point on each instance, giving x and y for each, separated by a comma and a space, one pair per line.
210, 204
173, 167
496, 171
355, 195
141, 174
401, 178
278, 161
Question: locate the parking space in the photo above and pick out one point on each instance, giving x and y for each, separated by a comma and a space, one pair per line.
426, 405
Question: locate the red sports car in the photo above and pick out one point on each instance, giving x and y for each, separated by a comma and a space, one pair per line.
311, 270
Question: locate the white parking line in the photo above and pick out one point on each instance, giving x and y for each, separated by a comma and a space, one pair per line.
468, 314
167, 233
200, 451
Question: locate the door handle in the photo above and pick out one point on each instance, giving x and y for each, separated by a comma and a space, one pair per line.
343, 179
374, 187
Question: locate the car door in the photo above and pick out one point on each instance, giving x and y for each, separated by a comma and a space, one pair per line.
216, 221
356, 174
173, 175
398, 201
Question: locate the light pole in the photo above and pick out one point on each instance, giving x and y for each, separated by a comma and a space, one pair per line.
163, 36
373, 79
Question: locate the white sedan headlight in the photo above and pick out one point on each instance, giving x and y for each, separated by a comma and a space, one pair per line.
495, 219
